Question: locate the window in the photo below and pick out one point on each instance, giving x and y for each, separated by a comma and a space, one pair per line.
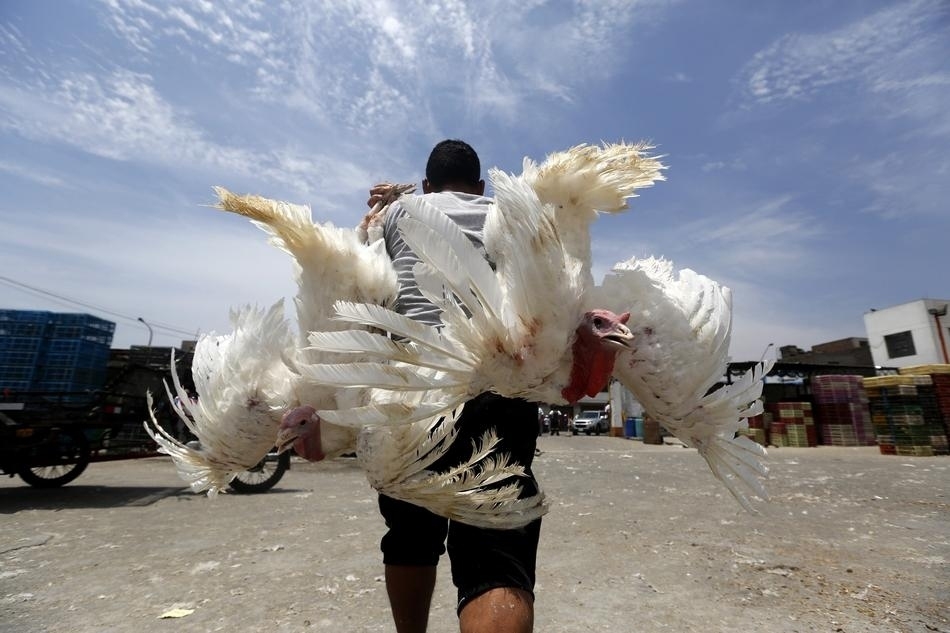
900, 344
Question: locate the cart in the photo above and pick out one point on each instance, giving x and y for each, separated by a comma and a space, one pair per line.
48, 440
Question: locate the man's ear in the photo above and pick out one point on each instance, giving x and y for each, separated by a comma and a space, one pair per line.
481, 188
426, 187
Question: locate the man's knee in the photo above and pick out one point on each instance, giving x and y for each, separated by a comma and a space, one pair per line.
498, 610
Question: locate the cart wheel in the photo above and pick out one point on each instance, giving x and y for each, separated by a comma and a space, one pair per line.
70, 459
262, 477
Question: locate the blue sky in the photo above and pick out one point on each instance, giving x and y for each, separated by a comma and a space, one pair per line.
808, 143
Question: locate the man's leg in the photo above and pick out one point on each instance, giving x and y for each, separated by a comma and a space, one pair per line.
500, 610
410, 590
494, 571
411, 547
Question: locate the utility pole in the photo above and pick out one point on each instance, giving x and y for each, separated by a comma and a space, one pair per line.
936, 314
149, 344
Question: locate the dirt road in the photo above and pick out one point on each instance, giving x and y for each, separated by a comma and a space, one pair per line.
639, 538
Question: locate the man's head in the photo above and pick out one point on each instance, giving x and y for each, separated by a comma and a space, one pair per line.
453, 166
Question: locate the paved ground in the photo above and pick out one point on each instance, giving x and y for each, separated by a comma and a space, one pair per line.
639, 538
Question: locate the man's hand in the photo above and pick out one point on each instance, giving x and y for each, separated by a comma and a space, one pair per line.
380, 197
378, 192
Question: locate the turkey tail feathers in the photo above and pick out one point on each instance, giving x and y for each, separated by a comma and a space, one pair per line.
589, 178
289, 225
737, 461
483, 491
192, 464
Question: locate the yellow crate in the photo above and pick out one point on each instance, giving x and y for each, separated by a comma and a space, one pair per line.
898, 390
915, 451
919, 370
840, 430
876, 382
758, 435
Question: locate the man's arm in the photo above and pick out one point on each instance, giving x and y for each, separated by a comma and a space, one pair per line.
381, 197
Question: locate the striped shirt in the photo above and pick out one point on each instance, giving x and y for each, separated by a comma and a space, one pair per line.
466, 210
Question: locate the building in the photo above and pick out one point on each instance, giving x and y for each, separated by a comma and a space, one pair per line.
914, 333
50, 352
852, 351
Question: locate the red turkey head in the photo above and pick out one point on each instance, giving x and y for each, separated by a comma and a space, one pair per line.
300, 428
599, 337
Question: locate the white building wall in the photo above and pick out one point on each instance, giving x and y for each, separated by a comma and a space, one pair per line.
913, 317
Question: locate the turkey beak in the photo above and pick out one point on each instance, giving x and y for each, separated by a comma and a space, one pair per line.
285, 440
620, 336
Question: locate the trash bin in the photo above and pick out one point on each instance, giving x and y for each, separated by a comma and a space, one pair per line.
638, 430
651, 432
630, 428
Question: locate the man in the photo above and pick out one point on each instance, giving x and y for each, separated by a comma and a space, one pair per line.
493, 570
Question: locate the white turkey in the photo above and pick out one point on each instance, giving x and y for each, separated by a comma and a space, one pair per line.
249, 388
529, 326
231, 372
240, 378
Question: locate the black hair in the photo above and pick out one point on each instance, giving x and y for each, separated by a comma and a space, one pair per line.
453, 162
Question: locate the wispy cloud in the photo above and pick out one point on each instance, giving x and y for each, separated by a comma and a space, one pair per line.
902, 185
359, 73
767, 221
39, 176
736, 164
121, 116
799, 65
752, 239
237, 29
887, 70
314, 55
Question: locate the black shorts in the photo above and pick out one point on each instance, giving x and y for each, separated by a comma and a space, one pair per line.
481, 558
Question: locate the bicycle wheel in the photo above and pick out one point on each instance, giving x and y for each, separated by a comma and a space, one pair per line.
60, 461
262, 477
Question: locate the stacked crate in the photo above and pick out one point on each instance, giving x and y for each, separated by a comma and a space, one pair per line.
777, 434
841, 411
756, 429
796, 419
898, 414
53, 352
934, 403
